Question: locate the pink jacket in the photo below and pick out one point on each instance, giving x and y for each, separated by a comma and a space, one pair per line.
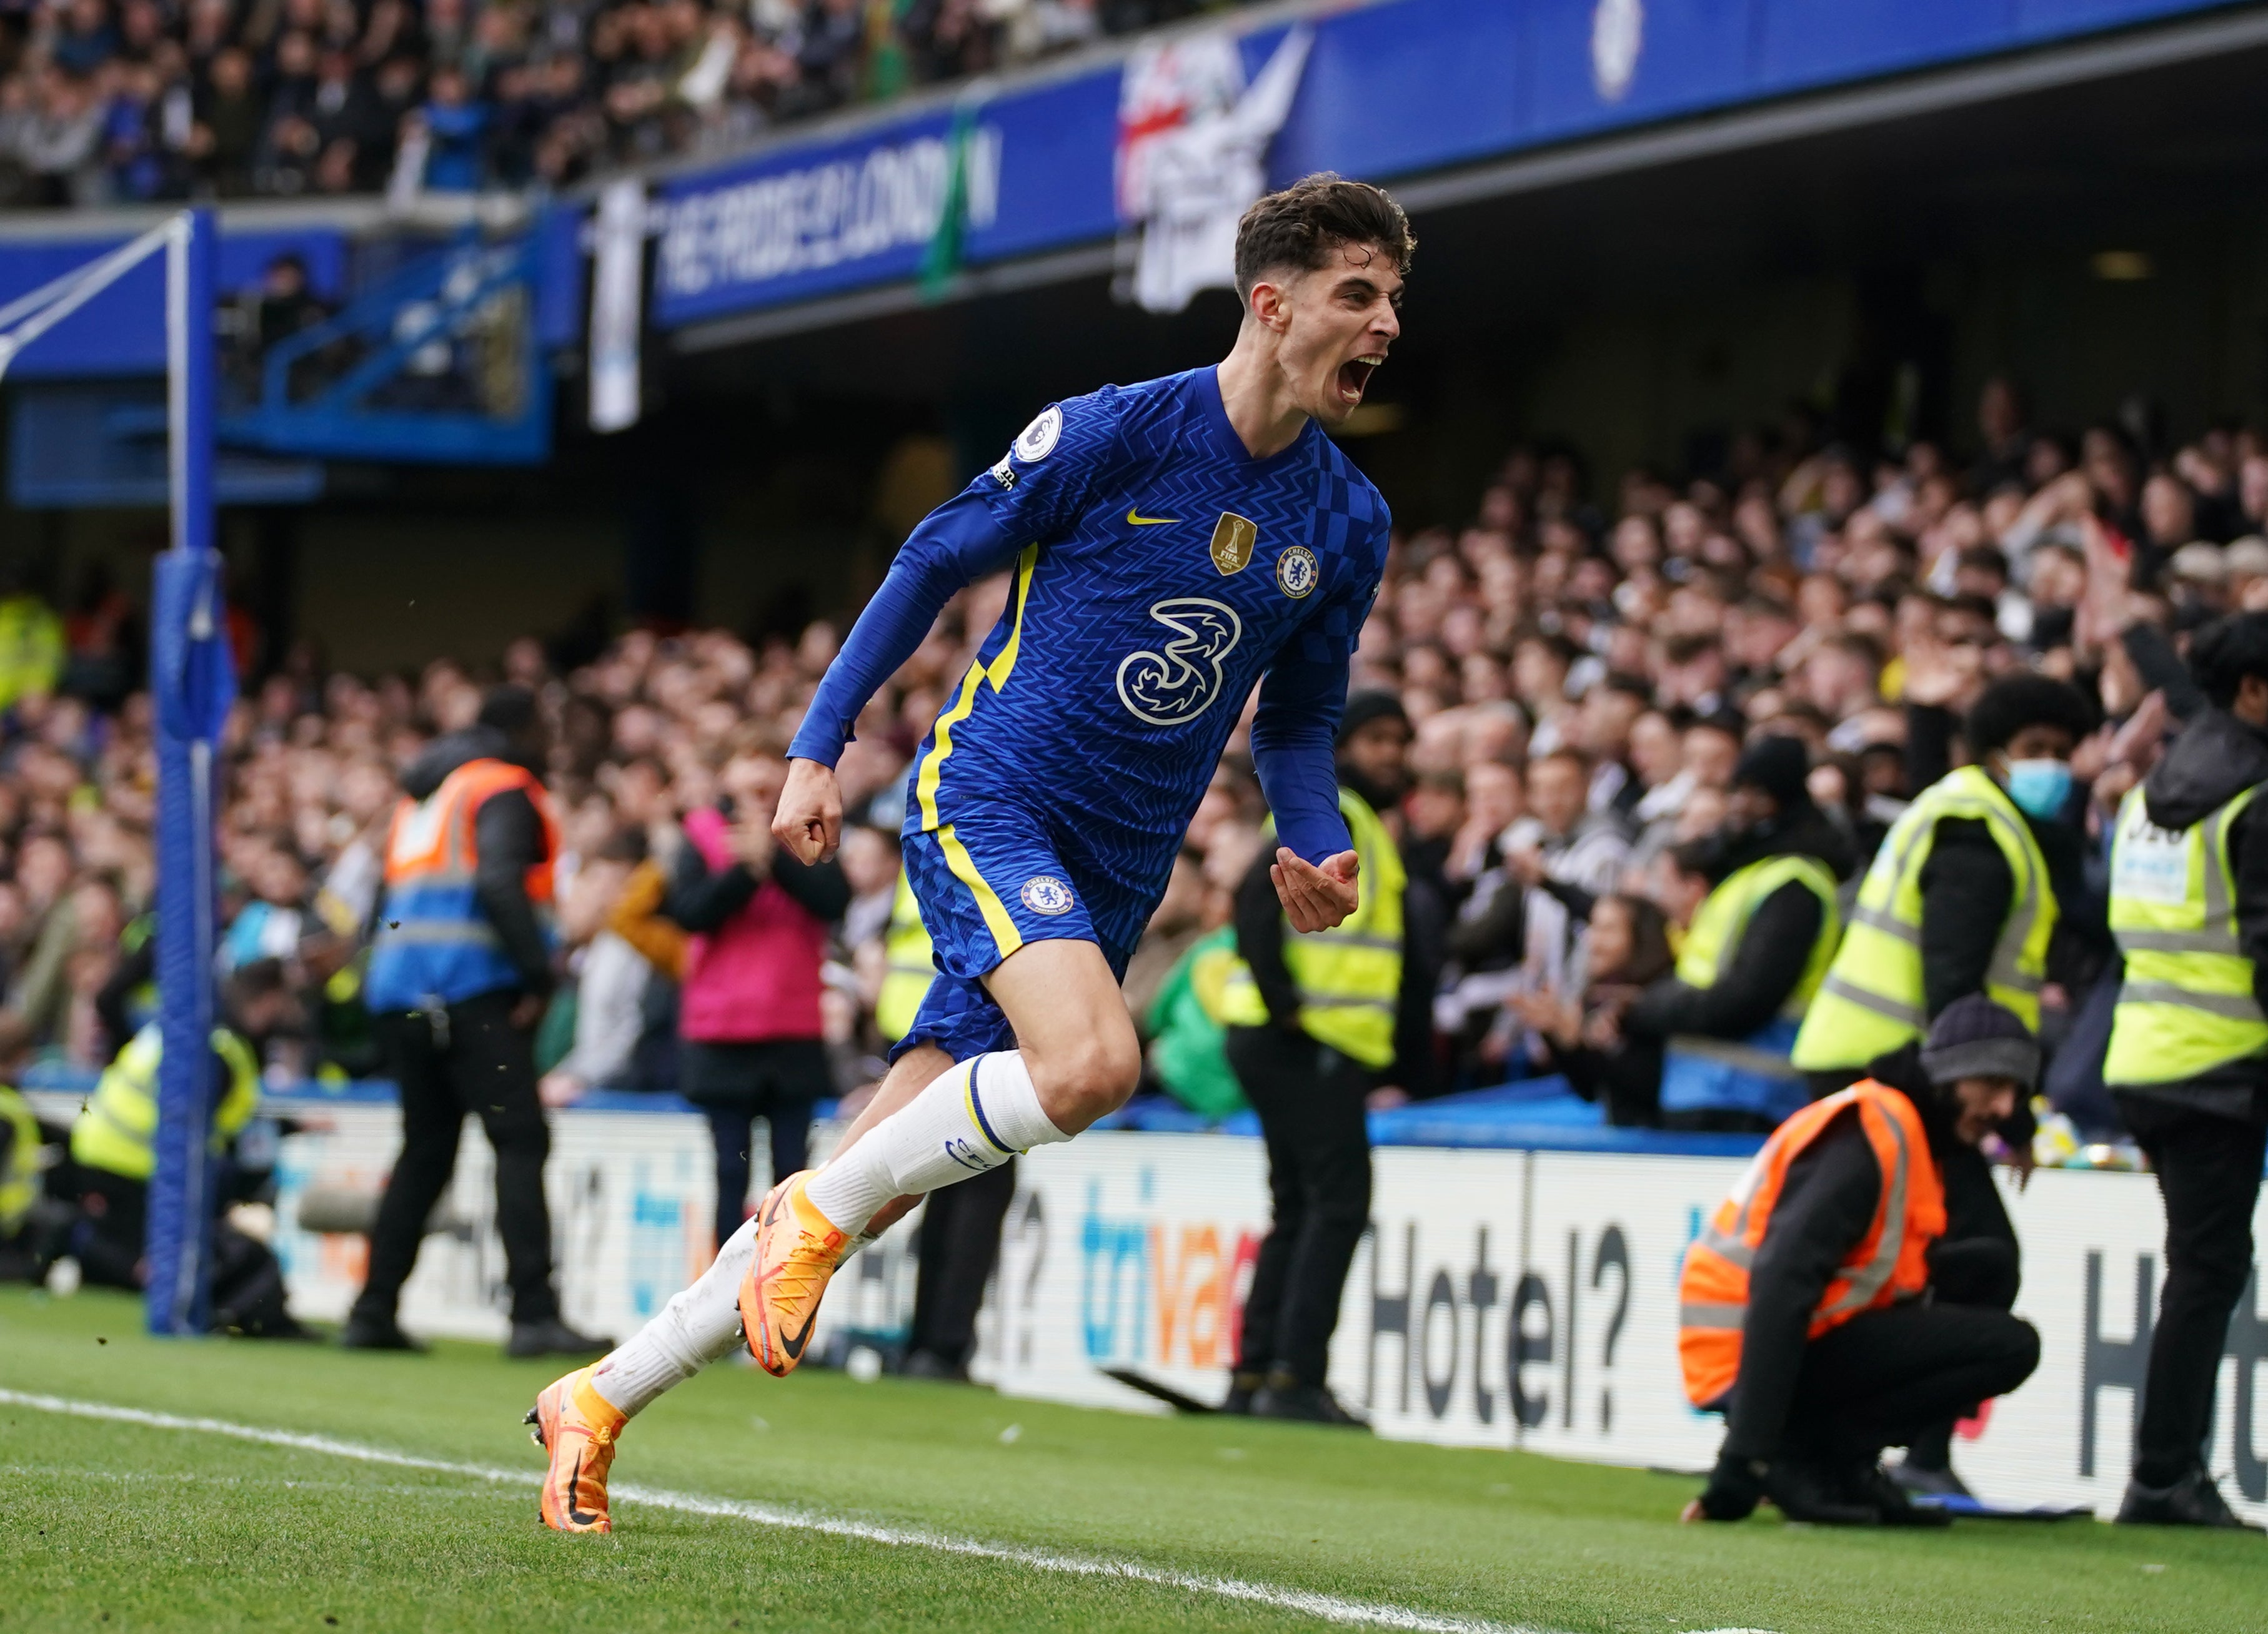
757, 978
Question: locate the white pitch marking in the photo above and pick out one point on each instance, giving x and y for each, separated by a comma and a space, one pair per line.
1327, 1607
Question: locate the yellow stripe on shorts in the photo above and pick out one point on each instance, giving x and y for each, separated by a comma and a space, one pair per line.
1005, 934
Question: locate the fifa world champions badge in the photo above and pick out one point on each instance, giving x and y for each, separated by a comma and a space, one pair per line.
1233, 538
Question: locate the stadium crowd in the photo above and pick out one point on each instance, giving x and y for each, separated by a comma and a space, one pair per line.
1581, 683
106, 101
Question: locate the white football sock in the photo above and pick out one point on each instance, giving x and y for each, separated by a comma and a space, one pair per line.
974, 1118
700, 1325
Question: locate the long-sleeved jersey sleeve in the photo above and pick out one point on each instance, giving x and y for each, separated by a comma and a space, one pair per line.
1027, 499
954, 545
1294, 731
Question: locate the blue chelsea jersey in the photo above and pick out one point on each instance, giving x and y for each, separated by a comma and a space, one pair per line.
1159, 571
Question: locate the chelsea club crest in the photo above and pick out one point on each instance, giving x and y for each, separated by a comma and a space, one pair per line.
1297, 571
1044, 893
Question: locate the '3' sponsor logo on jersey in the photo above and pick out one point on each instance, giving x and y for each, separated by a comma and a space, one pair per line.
1179, 683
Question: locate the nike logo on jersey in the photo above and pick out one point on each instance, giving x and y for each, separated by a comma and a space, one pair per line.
1138, 521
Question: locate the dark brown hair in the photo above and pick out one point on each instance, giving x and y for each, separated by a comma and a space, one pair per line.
1650, 957
1301, 226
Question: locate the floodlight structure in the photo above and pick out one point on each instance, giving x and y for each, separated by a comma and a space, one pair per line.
193, 683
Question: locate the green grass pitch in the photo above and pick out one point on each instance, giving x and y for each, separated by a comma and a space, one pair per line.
116, 1526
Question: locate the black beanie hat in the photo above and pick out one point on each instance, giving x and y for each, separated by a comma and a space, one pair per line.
1778, 766
1976, 1037
1365, 707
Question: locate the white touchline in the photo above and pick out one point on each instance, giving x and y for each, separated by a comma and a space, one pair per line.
1329, 1608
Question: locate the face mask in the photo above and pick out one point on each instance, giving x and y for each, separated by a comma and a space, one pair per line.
2039, 788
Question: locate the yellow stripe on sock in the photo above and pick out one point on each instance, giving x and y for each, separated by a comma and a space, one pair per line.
1005, 934
932, 767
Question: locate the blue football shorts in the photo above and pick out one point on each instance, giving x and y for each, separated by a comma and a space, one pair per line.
987, 882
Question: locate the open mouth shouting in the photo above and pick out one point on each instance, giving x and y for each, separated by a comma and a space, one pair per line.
1354, 377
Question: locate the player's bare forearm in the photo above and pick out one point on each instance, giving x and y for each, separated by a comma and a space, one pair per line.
1316, 897
809, 819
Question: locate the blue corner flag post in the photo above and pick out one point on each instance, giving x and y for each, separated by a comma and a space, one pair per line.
193, 679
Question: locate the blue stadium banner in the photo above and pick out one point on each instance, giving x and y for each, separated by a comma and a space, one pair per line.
809, 221
1387, 90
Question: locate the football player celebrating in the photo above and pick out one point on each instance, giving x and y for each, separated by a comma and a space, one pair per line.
1174, 544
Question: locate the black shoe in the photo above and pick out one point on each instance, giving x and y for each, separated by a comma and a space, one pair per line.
376, 1333
552, 1337
1241, 1389
2192, 1501
1284, 1397
930, 1364
1893, 1502
1919, 1482
1805, 1490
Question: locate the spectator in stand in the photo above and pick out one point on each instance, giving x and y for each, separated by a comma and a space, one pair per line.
757, 919
1626, 951
455, 126
224, 144
1563, 841
611, 978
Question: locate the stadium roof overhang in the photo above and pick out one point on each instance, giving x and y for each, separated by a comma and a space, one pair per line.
2084, 136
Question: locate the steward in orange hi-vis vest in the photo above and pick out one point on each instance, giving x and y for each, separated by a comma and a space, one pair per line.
461, 971
1854, 1292
434, 941
1887, 1265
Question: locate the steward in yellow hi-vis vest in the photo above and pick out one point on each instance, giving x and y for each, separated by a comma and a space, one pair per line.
1755, 954
2188, 1060
2186, 1005
1310, 1023
113, 1154
1958, 899
1348, 978
116, 1129
909, 967
19, 1160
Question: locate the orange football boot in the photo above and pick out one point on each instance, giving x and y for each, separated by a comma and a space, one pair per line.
579, 1428
797, 1250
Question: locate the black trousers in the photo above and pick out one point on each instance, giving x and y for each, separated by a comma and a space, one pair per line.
1309, 1098
485, 1067
779, 1081
114, 1220
1977, 1261
1890, 1376
2208, 1170
960, 1245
